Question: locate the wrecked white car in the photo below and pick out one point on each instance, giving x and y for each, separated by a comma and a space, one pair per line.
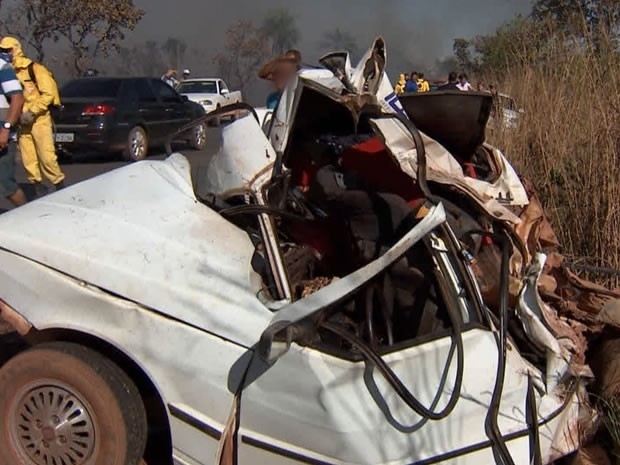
318, 307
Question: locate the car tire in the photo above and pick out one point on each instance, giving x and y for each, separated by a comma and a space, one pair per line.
198, 140
69, 403
137, 145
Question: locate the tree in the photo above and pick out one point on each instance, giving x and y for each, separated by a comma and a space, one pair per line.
337, 39
90, 27
521, 39
20, 21
175, 50
128, 61
280, 27
462, 53
245, 49
597, 20
565, 12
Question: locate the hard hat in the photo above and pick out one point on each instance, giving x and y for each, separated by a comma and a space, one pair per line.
186, 71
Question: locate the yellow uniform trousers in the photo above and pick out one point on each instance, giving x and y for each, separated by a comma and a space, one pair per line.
38, 153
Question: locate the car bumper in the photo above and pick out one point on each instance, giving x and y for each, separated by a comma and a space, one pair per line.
73, 138
208, 108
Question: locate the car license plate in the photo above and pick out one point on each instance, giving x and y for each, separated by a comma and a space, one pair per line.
65, 137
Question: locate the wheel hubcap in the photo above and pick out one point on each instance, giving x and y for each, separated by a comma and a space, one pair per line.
137, 144
200, 135
51, 425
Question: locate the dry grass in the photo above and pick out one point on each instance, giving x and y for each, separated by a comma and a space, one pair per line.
568, 144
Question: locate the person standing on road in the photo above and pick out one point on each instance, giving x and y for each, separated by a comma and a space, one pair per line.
279, 71
464, 83
170, 78
399, 88
452, 82
423, 85
283, 61
412, 83
36, 136
11, 104
186, 74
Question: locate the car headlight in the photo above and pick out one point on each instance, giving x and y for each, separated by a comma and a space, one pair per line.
206, 102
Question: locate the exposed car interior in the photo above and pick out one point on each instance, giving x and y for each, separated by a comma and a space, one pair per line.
340, 203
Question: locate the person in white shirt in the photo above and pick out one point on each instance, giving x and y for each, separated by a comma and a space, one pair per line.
170, 78
464, 84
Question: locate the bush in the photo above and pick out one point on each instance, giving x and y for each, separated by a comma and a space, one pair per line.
568, 141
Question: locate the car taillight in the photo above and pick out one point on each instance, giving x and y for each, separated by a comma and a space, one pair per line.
97, 110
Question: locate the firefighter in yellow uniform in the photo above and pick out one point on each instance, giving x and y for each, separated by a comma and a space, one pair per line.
36, 138
423, 85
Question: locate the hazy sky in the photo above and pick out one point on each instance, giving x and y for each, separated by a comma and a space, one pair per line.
414, 29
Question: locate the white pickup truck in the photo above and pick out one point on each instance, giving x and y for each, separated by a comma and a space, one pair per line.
211, 93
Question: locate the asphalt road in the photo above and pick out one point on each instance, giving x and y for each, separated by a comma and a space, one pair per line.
85, 167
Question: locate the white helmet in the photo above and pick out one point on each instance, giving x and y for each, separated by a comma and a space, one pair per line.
186, 71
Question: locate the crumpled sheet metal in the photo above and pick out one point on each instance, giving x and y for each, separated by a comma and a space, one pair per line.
575, 308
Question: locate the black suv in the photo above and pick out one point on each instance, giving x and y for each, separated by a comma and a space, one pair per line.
127, 115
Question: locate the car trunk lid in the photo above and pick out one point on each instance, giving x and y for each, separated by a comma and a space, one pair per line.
78, 110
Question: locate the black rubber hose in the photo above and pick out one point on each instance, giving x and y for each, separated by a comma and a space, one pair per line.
491, 422
532, 424
257, 210
391, 377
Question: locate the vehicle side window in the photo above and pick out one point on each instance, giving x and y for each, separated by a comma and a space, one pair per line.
165, 93
222, 86
144, 91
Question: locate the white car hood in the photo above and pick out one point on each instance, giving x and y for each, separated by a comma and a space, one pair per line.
139, 232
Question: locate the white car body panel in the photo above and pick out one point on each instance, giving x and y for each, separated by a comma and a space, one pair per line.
160, 223
245, 153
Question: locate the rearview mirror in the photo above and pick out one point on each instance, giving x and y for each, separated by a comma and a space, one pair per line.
275, 341
224, 91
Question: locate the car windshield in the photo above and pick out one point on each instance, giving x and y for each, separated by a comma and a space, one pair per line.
91, 87
198, 87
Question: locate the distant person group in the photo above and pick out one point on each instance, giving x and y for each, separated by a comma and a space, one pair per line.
415, 82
